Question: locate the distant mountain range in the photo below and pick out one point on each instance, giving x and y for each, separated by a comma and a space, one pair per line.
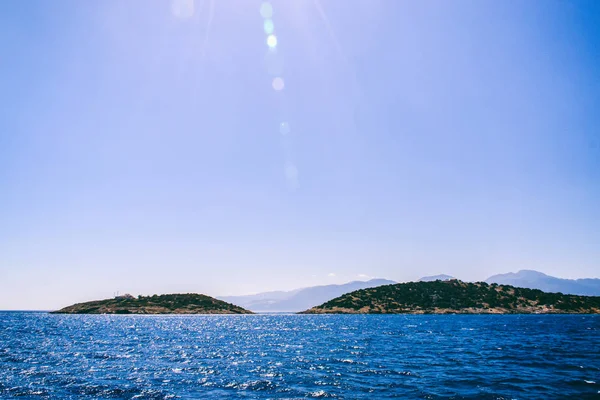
433, 278
537, 280
306, 298
299, 299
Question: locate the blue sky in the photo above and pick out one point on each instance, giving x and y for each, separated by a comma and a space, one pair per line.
143, 147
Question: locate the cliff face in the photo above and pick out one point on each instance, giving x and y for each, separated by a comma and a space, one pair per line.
164, 304
454, 296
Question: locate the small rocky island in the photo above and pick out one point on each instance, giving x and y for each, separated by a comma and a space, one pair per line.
456, 297
188, 303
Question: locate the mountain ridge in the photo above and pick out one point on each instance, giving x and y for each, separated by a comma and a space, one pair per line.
532, 279
299, 299
440, 277
456, 297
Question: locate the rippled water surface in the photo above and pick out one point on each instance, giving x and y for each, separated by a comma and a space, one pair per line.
299, 356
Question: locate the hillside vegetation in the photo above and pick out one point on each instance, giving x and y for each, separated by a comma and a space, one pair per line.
454, 296
158, 304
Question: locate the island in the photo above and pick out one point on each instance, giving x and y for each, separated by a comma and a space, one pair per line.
456, 297
188, 303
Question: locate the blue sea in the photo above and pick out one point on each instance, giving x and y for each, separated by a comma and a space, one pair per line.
45, 356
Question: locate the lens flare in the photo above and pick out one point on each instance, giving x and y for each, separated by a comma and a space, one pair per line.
278, 84
182, 8
268, 26
272, 41
266, 10
284, 128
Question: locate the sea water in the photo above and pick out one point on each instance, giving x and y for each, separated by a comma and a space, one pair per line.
299, 356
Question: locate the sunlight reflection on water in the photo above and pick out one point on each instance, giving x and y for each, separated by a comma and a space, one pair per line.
298, 356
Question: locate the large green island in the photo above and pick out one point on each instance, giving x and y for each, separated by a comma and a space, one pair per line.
188, 303
456, 297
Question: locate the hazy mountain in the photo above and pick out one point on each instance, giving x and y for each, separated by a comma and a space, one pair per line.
299, 299
261, 301
433, 278
537, 280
